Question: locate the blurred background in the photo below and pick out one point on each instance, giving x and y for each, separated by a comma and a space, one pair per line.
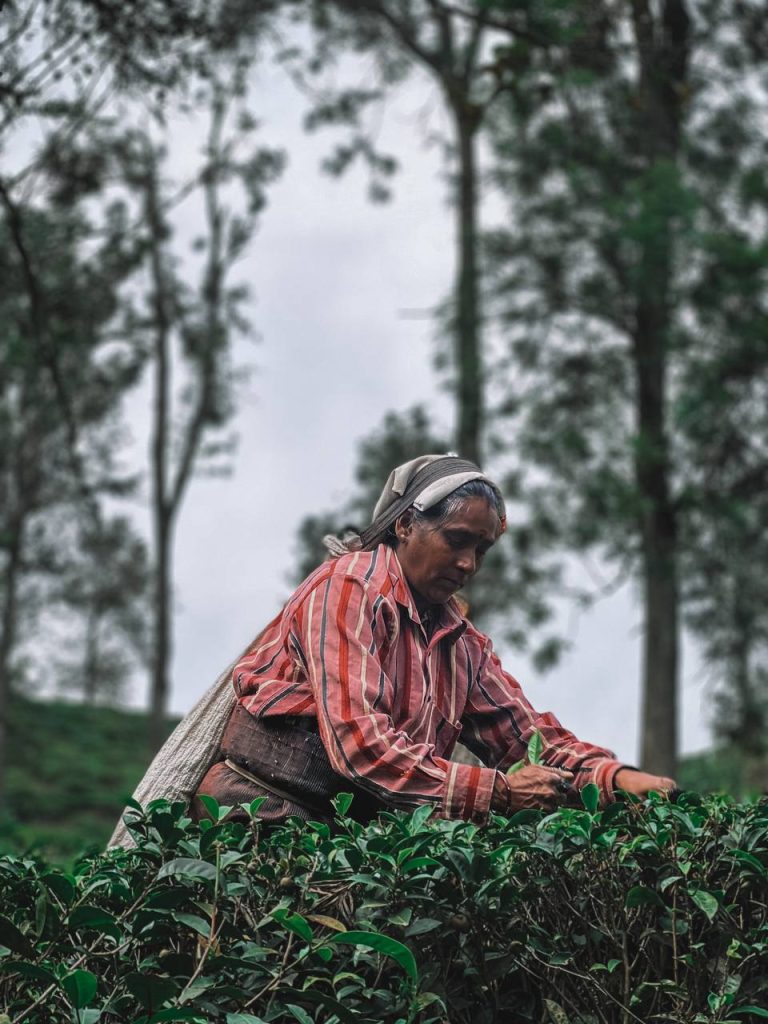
255, 254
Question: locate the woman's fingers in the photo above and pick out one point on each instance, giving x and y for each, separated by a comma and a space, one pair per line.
539, 786
641, 783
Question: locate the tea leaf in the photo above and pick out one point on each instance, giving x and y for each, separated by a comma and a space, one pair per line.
641, 895
705, 901
341, 803
188, 867
294, 923
382, 944
535, 747
14, 939
80, 987
590, 797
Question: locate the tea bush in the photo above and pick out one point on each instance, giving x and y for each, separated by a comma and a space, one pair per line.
639, 912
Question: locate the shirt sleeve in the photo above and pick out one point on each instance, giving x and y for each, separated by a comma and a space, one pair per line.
344, 629
499, 722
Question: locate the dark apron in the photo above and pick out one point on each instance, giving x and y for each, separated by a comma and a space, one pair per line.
283, 760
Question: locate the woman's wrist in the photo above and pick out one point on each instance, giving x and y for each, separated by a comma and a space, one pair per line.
501, 800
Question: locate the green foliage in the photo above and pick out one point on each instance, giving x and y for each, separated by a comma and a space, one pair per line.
71, 768
62, 378
637, 242
637, 912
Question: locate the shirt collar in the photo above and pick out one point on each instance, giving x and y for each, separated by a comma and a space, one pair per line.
450, 621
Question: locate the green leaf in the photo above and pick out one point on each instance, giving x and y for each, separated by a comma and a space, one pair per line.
60, 885
244, 1018
89, 1015
515, 767
590, 797
705, 901
86, 916
641, 895
756, 1011
211, 805
254, 806
528, 816
535, 747
14, 939
33, 971
294, 923
421, 926
382, 944
417, 863
749, 859
188, 867
610, 966
301, 1015
150, 990
560, 959
198, 924
425, 999
420, 815
80, 988
341, 803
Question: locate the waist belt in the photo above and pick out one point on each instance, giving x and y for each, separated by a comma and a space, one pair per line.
288, 761
321, 812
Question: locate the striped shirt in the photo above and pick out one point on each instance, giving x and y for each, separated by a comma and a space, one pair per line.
350, 650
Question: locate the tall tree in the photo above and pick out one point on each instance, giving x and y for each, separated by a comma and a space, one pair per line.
61, 56
194, 329
99, 599
454, 51
56, 303
613, 152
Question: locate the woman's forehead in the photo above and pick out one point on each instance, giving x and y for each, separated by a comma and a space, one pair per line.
475, 515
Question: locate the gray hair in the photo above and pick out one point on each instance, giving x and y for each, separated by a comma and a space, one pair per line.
440, 513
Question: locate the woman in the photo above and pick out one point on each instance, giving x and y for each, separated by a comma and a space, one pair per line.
371, 673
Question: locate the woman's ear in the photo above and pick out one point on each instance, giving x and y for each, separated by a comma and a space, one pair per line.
404, 525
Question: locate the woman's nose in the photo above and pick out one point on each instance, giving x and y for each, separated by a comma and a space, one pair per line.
467, 562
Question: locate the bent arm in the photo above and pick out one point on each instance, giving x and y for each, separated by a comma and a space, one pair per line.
344, 630
499, 722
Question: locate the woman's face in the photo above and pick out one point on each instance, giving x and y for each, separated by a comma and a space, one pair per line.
439, 560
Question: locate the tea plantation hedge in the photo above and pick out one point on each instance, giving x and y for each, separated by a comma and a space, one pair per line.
640, 912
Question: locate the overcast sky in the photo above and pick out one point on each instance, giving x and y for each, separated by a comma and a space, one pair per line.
332, 277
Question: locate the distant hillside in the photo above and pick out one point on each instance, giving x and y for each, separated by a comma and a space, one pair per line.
73, 766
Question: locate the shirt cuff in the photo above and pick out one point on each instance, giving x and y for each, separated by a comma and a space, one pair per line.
604, 776
468, 792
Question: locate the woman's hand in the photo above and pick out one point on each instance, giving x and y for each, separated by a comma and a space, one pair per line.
641, 783
531, 786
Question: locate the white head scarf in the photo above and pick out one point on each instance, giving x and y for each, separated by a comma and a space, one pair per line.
421, 484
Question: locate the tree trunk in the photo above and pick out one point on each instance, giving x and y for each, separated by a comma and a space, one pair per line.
162, 513
468, 327
161, 654
663, 47
91, 666
659, 549
7, 639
